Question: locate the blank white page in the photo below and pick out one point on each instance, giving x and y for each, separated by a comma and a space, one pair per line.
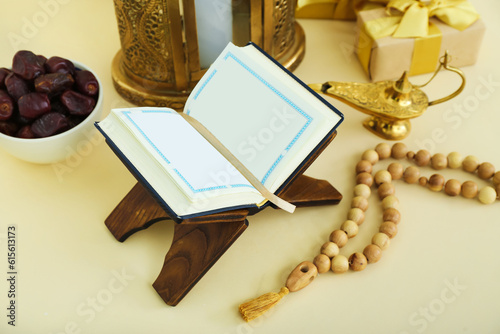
262, 115
197, 166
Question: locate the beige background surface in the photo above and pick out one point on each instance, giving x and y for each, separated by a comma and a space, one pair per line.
440, 274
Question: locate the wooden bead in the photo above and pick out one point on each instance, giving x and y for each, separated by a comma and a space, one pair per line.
339, 237
362, 190
330, 249
487, 195
373, 253
422, 158
364, 178
452, 187
410, 155
411, 174
423, 181
396, 170
382, 176
385, 189
436, 182
323, 263
496, 178
383, 150
470, 163
381, 240
485, 170
371, 156
364, 166
454, 160
469, 189
301, 276
350, 228
359, 202
340, 264
356, 215
392, 215
390, 201
357, 261
399, 151
439, 161
389, 228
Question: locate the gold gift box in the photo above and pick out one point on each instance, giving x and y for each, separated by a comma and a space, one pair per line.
325, 9
387, 58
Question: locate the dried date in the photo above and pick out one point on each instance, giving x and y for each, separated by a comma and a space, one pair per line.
53, 83
26, 65
16, 86
86, 83
6, 106
33, 105
76, 103
59, 65
42, 60
3, 74
49, 124
25, 132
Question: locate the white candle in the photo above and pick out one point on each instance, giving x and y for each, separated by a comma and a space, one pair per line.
214, 21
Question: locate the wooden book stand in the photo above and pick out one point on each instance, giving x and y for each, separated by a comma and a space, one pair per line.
199, 242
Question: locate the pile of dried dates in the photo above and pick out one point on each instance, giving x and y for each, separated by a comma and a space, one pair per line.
41, 97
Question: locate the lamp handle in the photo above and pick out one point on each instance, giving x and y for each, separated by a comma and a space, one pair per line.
443, 62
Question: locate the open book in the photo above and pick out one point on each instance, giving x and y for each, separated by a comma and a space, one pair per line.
262, 114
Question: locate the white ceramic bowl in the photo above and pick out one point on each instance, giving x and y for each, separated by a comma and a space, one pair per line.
58, 147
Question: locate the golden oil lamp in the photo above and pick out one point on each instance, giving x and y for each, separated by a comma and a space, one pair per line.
391, 104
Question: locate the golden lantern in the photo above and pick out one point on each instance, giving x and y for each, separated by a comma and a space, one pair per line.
167, 45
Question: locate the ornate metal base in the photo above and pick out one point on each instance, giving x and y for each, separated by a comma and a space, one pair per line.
294, 56
140, 95
388, 129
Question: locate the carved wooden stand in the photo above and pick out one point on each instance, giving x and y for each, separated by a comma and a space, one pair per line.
199, 242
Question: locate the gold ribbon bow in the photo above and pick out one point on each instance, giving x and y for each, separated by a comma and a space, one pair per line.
410, 18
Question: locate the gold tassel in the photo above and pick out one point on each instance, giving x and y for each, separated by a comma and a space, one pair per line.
258, 306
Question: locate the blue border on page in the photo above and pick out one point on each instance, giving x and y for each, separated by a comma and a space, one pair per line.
283, 97
127, 114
